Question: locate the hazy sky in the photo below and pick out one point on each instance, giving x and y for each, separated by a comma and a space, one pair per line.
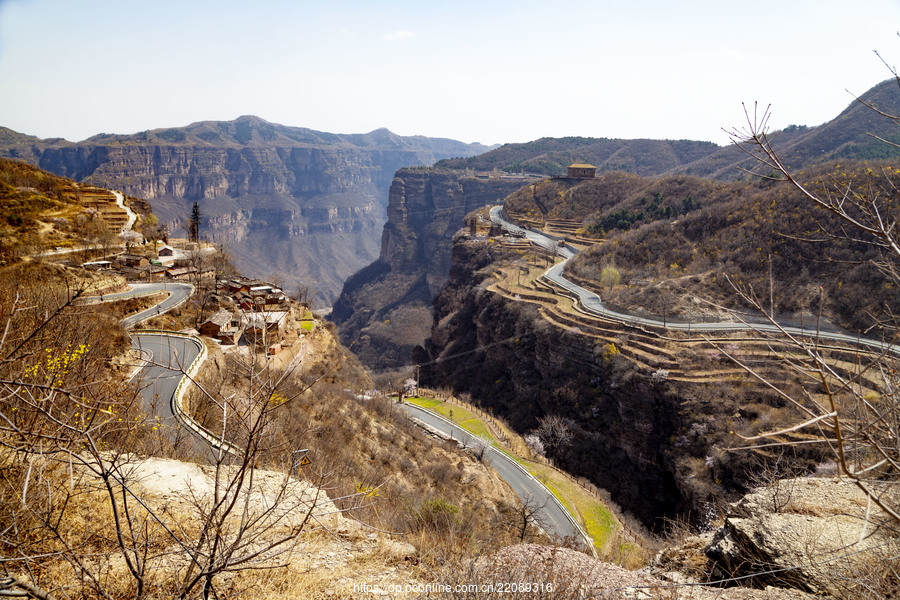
486, 71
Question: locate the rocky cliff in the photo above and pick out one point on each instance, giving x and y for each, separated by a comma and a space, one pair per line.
305, 206
819, 535
384, 310
646, 417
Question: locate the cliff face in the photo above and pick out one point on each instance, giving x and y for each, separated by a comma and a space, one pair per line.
514, 363
654, 441
384, 310
305, 207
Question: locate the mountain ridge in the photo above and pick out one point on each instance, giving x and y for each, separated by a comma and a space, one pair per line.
206, 131
287, 200
357, 312
848, 135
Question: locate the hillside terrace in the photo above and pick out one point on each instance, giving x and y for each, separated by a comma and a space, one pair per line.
666, 355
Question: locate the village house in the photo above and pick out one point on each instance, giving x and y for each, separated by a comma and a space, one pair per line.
180, 272
151, 271
223, 326
253, 295
268, 324
167, 255
582, 171
134, 261
235, 286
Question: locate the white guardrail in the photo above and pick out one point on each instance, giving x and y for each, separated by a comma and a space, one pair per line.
584, 536
186, 380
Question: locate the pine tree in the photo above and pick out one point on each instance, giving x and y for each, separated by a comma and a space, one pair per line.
194, 223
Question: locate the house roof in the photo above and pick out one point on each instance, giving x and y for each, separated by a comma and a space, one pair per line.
220, 318
581, 166
266, 318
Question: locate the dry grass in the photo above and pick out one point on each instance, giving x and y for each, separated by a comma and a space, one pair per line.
610, 538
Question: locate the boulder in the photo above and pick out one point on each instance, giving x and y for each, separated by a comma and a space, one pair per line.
818, 535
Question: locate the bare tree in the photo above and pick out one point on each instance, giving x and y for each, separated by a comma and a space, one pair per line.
528, 518
73, 519
198, 261
556, 433
853, 408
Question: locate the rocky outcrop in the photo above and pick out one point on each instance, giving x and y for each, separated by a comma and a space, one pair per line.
647, 420
815, 535
818, 535
425, 209
562, 573
384, 310
303, 205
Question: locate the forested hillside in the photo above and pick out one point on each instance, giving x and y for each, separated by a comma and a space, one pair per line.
681, 244
851, 135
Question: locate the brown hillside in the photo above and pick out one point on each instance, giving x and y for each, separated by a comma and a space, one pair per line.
677, 240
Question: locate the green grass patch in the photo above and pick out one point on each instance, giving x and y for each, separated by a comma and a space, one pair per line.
599, 523
307, 325
462, 417
423, 402
476, 427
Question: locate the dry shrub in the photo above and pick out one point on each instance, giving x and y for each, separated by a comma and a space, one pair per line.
532, 571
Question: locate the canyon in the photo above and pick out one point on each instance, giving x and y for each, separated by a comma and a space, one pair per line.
290, 204
384, 310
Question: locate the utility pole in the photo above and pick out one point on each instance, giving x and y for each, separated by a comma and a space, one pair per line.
771, 291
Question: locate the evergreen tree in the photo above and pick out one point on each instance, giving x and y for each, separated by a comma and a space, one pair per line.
194, 223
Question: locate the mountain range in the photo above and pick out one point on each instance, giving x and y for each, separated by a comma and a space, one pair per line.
850, 135
303, 206
306, 208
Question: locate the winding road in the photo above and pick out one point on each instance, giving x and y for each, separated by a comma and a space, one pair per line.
553, 518
592, 303
178, 295
166, 356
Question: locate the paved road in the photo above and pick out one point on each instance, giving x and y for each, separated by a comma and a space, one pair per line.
179, 293
553, 517
592, 302
168, 357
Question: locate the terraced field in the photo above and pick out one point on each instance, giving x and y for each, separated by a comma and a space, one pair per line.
743, 358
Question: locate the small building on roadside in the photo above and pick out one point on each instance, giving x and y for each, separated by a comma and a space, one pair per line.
270, 323
582, 171
167, 255
134, 261
181, 272
222, 326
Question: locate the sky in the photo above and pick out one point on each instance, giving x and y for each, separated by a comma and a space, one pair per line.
476, 71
